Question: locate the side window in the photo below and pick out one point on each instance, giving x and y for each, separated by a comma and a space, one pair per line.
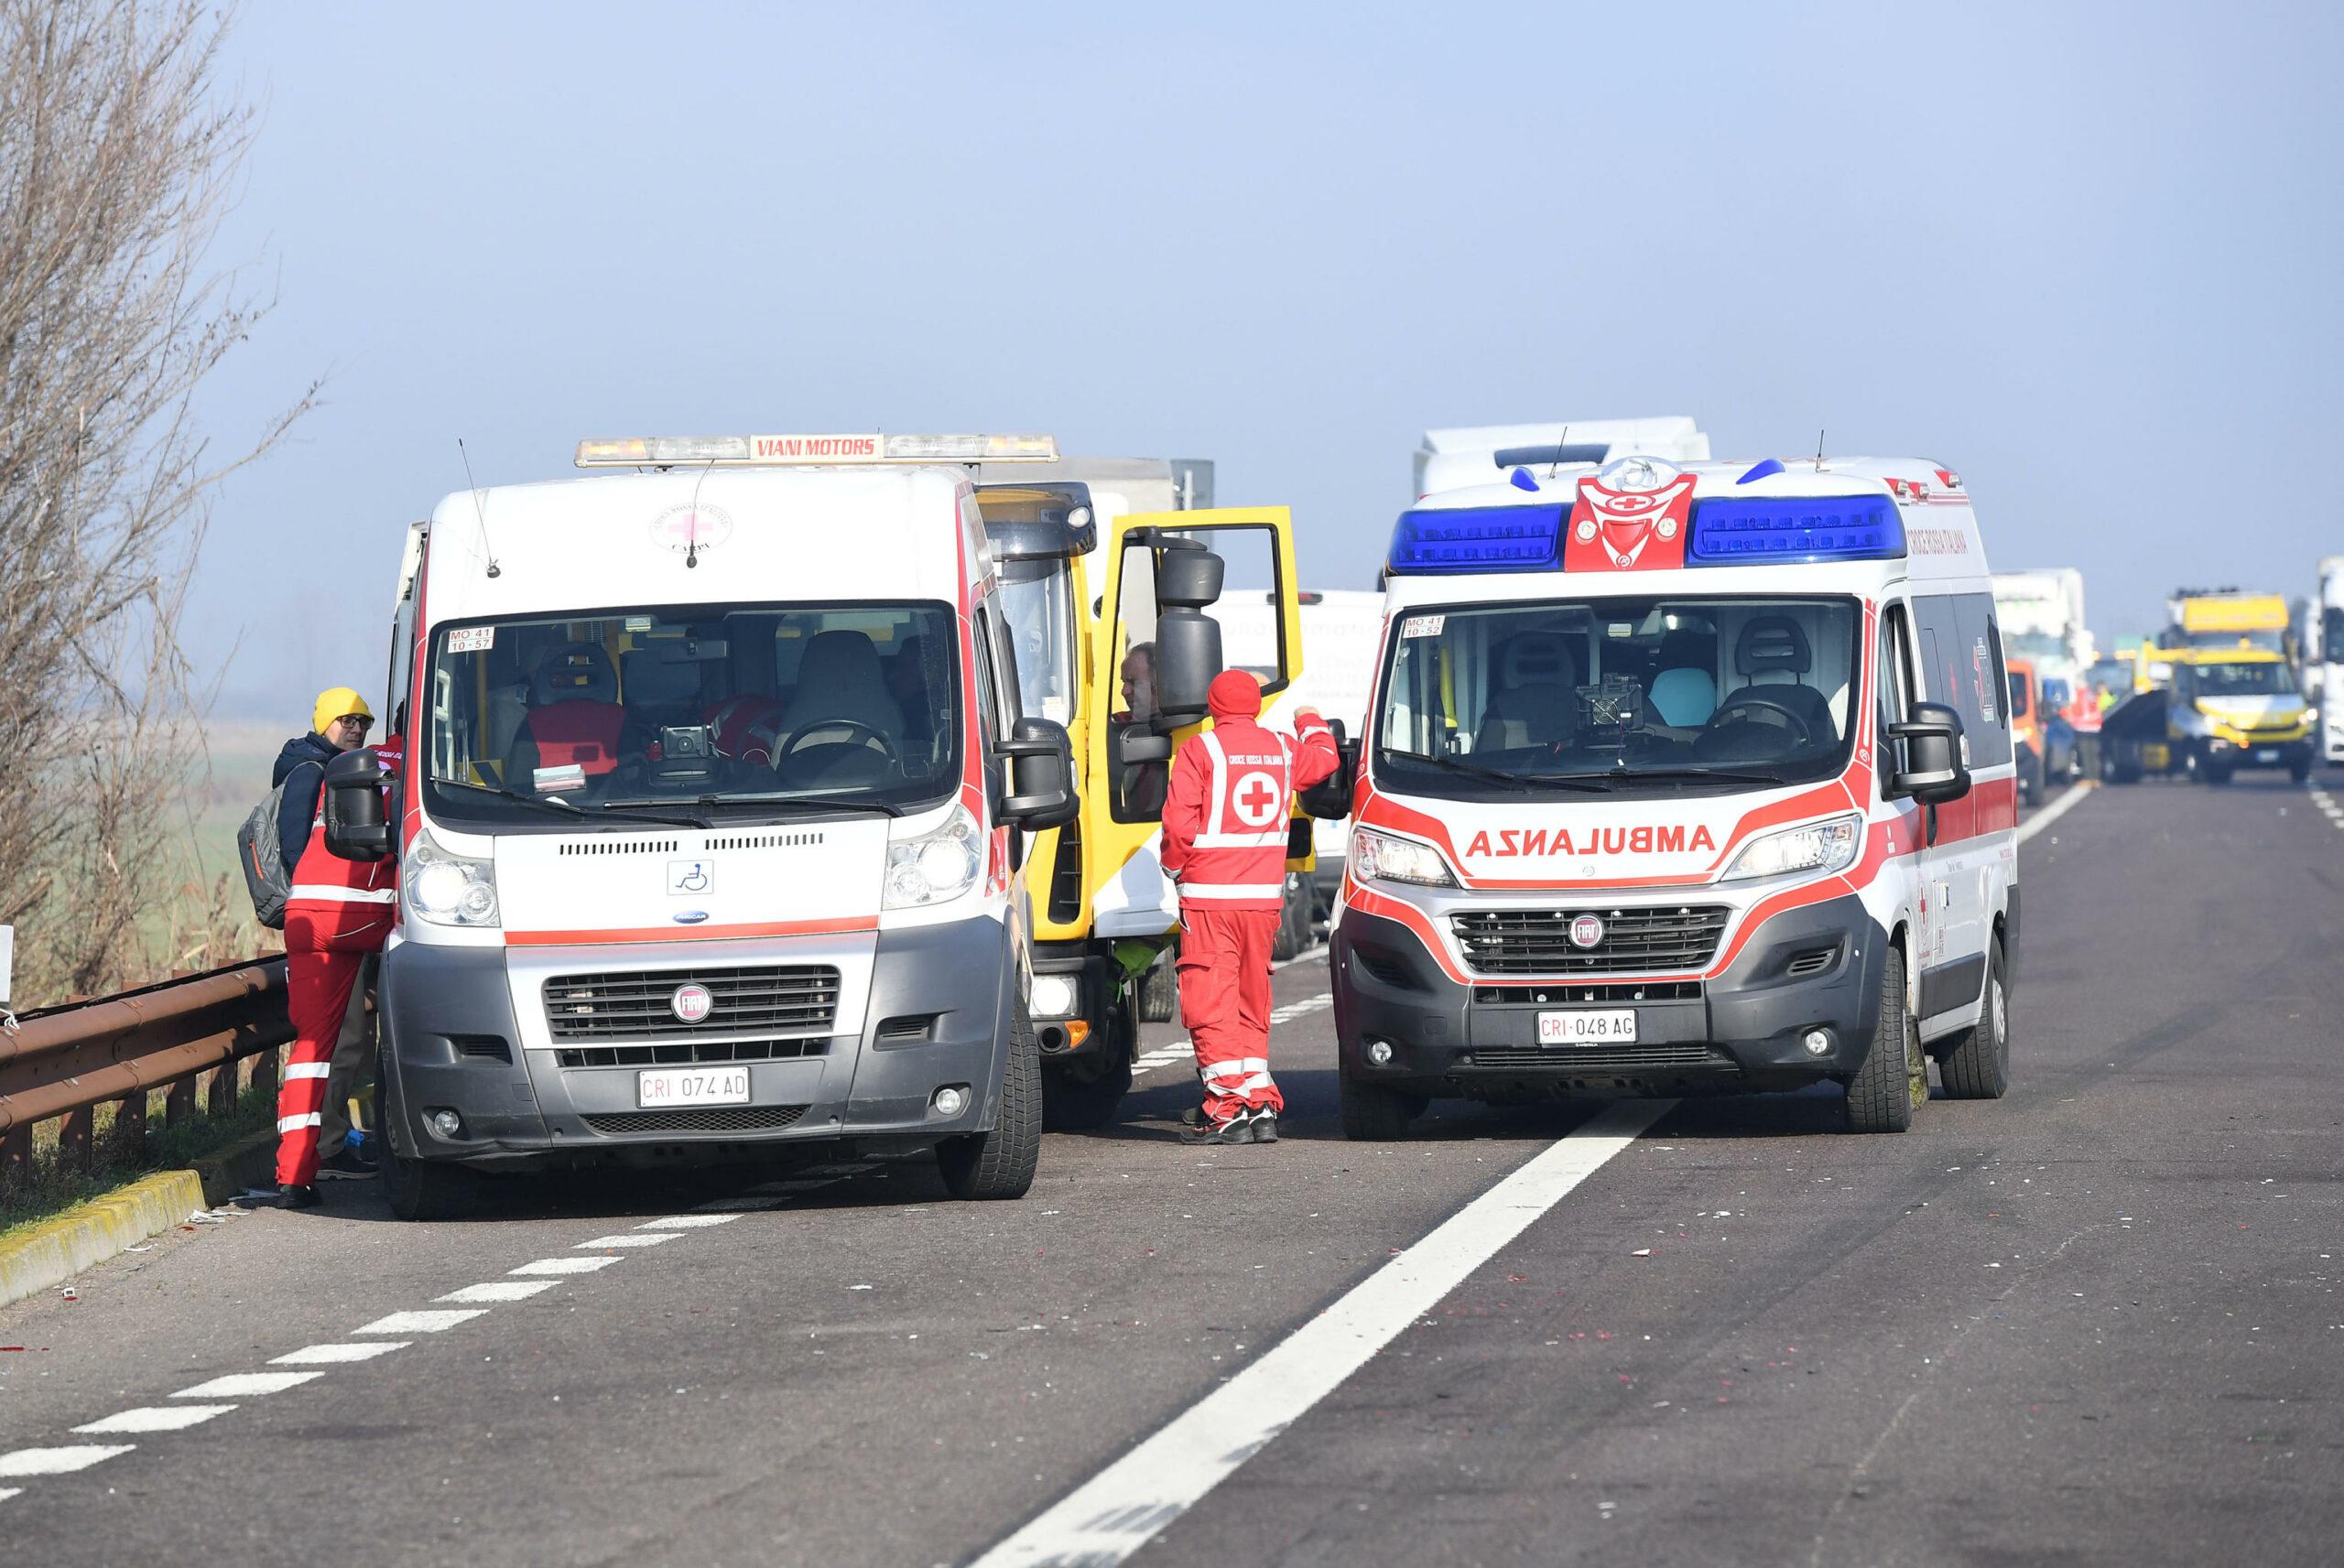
1986, 682
988, 688
1136, 790
1892, 685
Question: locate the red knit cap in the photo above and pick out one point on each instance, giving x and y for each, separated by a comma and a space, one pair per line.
1234, 694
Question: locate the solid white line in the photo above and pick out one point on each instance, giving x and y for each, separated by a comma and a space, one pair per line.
687, 1221
247, 1385
1302, 958
1123, 1506
2053, 812
156, 1418
499, 1290
57, 1461
422, 1321
563, 1266
334, 1355
631, 1239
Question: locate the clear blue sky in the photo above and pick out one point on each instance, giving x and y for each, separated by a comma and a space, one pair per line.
2087, 255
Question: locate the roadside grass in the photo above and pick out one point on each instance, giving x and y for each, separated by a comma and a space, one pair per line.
50, 1183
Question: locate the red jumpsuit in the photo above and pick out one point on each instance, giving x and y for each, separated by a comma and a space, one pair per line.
336, 913
1225, 814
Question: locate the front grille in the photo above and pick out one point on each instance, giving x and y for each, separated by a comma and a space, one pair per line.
1814, 961
707, 1119
1583, 1060
783, 998
1390, 971
1617, 990
689, 1052
1537, 941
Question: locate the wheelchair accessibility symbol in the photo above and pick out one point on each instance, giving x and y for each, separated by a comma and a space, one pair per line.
691, 876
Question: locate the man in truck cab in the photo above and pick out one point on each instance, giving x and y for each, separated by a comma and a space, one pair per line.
1225, 818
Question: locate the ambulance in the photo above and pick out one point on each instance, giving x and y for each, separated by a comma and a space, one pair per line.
710, 821
1683, 777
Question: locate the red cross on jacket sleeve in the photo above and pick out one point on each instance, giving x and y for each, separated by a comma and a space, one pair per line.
1226, 808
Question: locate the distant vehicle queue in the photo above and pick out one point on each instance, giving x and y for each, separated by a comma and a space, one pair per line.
800, 788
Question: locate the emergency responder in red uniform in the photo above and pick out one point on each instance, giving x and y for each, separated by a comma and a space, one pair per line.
1225, 817
336, 913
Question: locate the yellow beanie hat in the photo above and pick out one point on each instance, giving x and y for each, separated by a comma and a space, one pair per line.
337, 703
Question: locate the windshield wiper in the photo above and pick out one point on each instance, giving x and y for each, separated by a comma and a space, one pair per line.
782, 797
1699, 776
1513, 781
570, 809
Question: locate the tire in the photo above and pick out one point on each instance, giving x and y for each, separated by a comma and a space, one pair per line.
1159, 989
1073, 1104
418, 1190
1979, 1065
2300, 771
2214, 772
987, 1166
1375, 1114
1881, 1096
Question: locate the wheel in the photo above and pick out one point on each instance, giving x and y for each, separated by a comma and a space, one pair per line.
1159, 989
1373, 1113
2215, 772
2124, 767
417, 1189
1979, 1065
1000, 1163
1895, 1078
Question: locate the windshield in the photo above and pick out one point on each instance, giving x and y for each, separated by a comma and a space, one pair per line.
2034, 645
2273, 640
2332, 633
691, 713
1626, 693
1038, 599
2245, 680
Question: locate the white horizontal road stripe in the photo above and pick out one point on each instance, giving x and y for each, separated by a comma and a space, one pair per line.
630, 1238
1132, 1501
422, 1321
7, 1492
687, 1221
563, 1266
156, 1418
57, 1461
2053, 812
499, 1290
246, 1385
334, 1355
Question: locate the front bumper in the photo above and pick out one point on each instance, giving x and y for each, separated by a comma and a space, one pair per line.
2247, 750
938, 1013
1741, 1032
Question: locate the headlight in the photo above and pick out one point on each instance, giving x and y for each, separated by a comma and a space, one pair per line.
1824, 846
1052, 996
1382, 858
448, 890
936, 866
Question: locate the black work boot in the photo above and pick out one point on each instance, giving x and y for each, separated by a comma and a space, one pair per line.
293, 1194
1238, 1129
1265, 1125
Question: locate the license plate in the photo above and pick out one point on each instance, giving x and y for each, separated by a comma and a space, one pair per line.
2267, 754
1587, 1028
691, 1086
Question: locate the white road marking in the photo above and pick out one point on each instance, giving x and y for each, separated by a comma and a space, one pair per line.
1294, 1009
422, 1321
57, 1461
1304, 957
335, 1355
2052, 813
7, 1492
631, 1239
248, 1385
499, 1290
563, 1266
156, 1418
1125, 1506
687, 1221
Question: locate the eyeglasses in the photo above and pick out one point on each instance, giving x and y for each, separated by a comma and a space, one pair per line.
356, 721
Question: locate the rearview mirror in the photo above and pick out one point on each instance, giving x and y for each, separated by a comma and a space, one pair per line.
1133, 746
1187, 641
357, 827
1041, 768
1933, 773
1330, 797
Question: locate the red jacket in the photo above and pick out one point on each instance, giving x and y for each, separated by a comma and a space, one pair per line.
1226, 810
342, 906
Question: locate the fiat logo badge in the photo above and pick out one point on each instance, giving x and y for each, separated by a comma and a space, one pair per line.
1587, 931
692, 1003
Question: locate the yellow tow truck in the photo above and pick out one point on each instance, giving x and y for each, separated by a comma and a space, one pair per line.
2205, 713
1085, 582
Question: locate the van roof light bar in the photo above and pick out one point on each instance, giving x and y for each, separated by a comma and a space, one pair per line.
871, 449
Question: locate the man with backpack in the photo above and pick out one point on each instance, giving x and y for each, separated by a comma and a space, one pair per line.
339, 723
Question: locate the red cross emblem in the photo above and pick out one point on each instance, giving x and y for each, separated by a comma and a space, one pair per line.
1257, 800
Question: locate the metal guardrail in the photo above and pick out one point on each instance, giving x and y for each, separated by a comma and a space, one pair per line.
65, 1062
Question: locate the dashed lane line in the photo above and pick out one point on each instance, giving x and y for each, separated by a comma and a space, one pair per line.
631, 1239
423, 1322
1183, 1054
57, 1461
247, 1385
155, 1418
498, 1290
2043, 818
1132, 1501
562, 1266
338, 1354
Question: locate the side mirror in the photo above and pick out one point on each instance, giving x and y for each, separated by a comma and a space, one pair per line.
1933, 773
356, 827
1041, 769
1330, 797
1187, 641
1133, 746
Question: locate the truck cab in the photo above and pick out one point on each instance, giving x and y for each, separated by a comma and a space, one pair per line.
717, 789
1682, 777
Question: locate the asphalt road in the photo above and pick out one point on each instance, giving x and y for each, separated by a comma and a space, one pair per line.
2095, 1322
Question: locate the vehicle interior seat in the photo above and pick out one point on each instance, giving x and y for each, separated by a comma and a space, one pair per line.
841, 685
1684, 696
1536, 702
1772, 645
574, 716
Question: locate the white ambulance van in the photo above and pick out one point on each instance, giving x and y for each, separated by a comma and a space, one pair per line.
1680, 780
713, 800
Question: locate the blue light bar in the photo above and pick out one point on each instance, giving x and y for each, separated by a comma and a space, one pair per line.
1479, 539
1732, 531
